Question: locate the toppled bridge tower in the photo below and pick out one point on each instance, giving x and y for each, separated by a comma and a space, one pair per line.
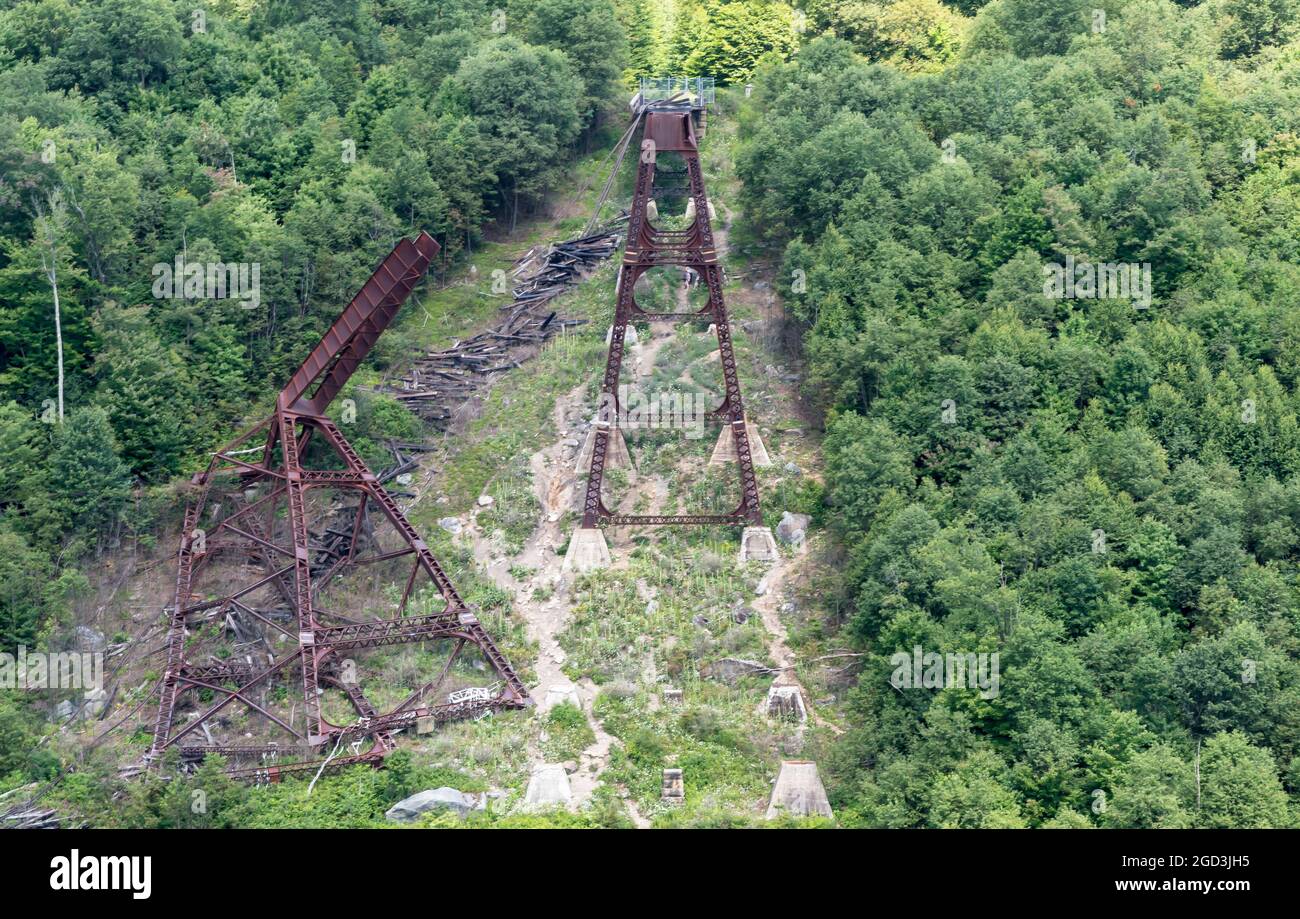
670, 128
281, 531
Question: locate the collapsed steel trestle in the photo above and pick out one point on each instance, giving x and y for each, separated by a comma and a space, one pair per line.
266, 517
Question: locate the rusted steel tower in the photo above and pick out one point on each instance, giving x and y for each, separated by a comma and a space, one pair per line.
670, 130
303, 510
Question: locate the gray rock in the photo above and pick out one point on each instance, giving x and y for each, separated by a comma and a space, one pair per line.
89, 640
451, 525
729, 669
792, 469
486, 501
410, 809
63, 711
94, 703
793, 528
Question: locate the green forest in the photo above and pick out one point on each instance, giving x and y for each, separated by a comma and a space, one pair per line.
1098, 482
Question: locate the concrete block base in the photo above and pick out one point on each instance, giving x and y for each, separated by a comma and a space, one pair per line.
725, 450
674, 788
548, 786
589, 551
786, 702
799, 792
560, 694
757, 544
616, 455
690, 210
629, 336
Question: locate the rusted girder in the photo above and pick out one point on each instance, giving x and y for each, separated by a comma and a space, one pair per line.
694, 248
276, 529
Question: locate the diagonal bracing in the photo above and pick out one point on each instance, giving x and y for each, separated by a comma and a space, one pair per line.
693, 248
251, 528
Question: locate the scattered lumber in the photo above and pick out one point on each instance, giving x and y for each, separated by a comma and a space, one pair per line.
31, 820
442, 381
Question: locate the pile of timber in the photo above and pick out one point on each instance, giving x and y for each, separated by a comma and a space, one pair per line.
441, 381
27, 814
32, 820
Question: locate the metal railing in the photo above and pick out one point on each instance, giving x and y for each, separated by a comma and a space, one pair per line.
687, 92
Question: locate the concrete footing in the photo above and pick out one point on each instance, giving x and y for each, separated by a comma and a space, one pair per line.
786, 702
690, 210
799, 792
757, 544
674, 788
548, 786
587, 551
560, 694
629, 336
616, 455
724, 451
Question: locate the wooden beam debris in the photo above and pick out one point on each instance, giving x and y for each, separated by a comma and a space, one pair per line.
441, 381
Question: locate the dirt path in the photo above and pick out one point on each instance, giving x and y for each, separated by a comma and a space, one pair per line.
541, 598
554, 484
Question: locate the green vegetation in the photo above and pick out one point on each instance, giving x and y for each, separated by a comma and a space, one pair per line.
1100, 485
1102, 490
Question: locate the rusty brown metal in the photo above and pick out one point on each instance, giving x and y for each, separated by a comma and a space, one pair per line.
354, 333
276, 529
649, 247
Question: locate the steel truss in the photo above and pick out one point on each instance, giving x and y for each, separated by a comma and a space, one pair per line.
264, 514
649, 247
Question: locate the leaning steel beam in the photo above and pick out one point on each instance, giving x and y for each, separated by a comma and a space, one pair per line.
358, 327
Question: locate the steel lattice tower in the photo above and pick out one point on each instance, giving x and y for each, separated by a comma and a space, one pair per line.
692, 248
270, 510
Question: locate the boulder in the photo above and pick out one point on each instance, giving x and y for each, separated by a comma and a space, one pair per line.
94, 703
793, 528
730, 669
89, 640
451, 524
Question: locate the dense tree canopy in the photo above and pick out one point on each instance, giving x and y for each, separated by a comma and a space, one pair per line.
1099, 487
